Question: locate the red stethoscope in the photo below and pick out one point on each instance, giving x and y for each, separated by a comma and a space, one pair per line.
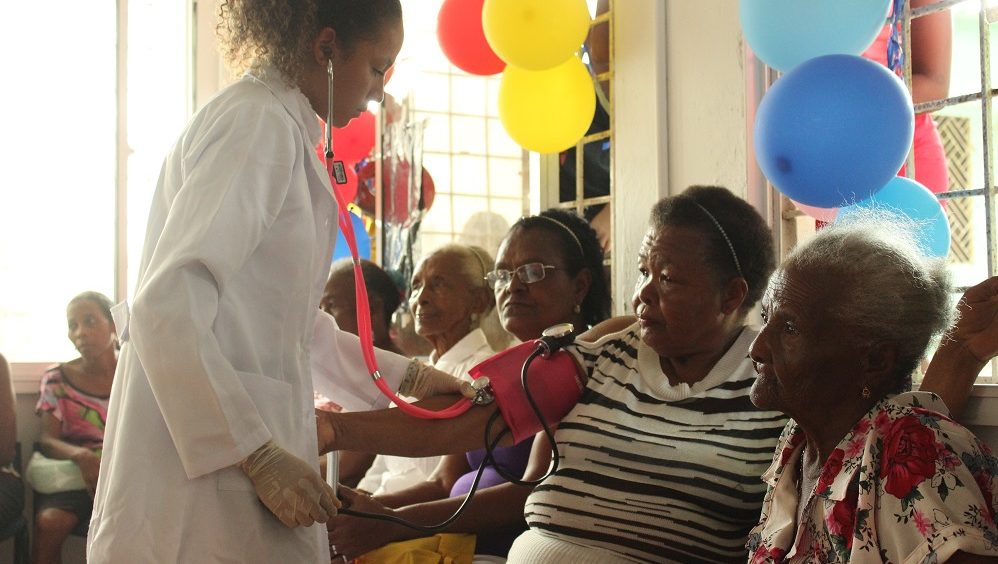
337, 177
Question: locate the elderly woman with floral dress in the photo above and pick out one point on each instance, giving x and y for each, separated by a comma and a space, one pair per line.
866, 471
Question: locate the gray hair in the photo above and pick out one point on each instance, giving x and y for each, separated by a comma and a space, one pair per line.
891, 291
476, 263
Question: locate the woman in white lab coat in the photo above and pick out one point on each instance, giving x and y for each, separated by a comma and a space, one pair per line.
211, 411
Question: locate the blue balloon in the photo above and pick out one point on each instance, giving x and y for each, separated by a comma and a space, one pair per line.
785, 33
834, 130
363, 240
906, 197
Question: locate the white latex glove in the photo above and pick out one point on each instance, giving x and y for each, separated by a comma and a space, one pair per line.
422, 381
290, 488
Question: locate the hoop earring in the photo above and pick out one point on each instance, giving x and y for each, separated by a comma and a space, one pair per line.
866, 392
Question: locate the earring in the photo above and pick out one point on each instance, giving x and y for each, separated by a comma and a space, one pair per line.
577, 308
474, 318
866, 392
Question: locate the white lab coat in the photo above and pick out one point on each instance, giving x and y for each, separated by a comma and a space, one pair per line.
240, 237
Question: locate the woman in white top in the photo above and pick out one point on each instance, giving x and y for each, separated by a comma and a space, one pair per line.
448, 299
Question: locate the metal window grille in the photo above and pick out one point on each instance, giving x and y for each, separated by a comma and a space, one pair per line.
963, 195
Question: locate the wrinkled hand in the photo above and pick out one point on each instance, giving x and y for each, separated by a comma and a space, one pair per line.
977, 328
428, 381
325, 434
89, 463
351, 537
290, 488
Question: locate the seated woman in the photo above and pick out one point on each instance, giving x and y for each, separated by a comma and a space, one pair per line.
448, 298
866, 471
11, 486
661, 458
549, 270
73, 408
339, 299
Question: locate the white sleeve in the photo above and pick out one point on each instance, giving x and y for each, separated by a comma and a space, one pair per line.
339, 372
227, 201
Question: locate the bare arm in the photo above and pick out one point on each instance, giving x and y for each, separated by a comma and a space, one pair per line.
53, 446
495, 508
437, 486
8, 415
389, 431
931, 53
969, 346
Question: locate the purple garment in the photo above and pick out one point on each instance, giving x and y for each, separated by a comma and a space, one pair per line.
513, 461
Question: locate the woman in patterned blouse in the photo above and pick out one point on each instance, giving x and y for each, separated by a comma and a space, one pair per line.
73, 409
866, 471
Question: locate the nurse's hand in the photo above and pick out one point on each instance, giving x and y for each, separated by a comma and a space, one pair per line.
422, 381
290, 488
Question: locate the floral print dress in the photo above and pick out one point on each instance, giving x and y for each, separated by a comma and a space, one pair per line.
906, 484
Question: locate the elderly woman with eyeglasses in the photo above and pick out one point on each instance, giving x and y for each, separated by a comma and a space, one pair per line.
549, 270
867, 471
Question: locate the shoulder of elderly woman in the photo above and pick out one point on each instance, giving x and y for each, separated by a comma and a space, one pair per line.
608, 327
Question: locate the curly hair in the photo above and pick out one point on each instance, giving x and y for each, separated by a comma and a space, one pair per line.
748, 239
280, 32
889, 289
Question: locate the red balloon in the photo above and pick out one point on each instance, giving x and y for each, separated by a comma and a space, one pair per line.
400, 212
459, 31
355, 141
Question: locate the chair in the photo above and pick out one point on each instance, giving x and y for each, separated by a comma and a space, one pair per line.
19, 528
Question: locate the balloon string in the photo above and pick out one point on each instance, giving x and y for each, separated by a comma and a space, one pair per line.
364, 330
895, 50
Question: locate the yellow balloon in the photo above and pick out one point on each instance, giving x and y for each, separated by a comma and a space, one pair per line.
547, 111
535, 34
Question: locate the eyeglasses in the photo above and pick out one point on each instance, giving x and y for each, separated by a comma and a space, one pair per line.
527, 273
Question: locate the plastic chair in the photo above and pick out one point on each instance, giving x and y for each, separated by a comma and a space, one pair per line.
18, 530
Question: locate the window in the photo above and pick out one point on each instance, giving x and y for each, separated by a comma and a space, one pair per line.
57, 237
966, 127
91, 127
478, 172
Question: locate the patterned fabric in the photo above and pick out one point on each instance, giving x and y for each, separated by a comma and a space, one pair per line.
906, 484
654, 472
82, 415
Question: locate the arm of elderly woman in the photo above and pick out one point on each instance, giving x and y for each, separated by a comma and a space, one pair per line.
389, 431
972, 342
493, 508
437, 486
